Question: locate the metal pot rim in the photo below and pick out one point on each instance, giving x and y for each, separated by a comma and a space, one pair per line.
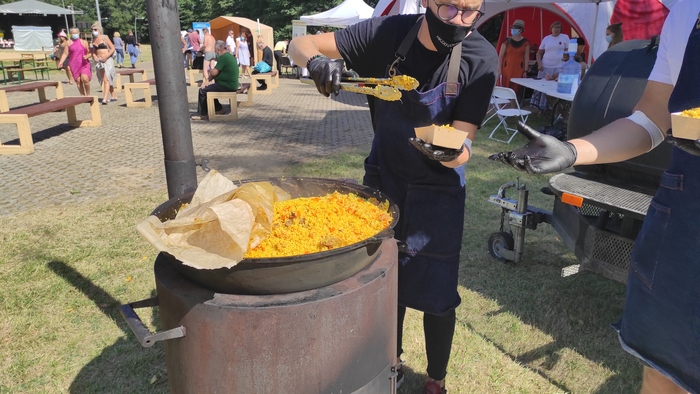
363, 191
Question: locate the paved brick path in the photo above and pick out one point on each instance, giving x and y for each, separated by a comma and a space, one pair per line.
125, 155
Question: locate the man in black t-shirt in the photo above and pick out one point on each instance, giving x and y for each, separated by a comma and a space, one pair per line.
267, 58
426, 181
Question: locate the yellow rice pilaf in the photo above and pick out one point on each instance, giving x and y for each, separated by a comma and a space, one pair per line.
315, 224
692, 113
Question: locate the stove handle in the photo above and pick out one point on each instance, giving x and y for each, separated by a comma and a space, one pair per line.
143, 334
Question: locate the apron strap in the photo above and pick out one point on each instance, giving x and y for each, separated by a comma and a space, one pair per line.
452, 87
405, 46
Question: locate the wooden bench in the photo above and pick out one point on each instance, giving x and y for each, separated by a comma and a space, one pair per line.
30, 87
271, 79
130, 72
20, 117
231, 96
143, 85
21, 70
191, 73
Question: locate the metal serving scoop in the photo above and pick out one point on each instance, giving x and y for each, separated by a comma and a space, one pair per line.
401, 82
383, 92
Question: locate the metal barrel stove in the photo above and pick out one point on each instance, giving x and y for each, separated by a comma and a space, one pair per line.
229, 336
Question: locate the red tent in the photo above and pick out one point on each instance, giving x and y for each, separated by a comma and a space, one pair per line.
640, 19
537, 23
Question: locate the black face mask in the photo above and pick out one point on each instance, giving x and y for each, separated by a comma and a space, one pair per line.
444, 35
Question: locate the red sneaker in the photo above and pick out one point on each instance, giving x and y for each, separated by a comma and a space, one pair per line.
433, 387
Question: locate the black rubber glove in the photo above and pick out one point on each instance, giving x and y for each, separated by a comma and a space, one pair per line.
434, 152
690, 146
350, 74
542, 155
326, 74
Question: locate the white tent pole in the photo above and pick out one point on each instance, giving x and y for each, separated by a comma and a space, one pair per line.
65, 16
595, 23
97, 7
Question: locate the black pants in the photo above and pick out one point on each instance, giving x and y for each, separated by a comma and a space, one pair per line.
263, 84
438, 331
278, 56
214, 87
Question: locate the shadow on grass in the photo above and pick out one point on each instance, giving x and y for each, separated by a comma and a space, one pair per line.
109, 372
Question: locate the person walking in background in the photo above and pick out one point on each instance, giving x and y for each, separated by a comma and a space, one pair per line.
613, 34
231, 43
185, 54
207, 49
132, 48
102, 50
514, 57
456, 71
119, 49
195, 43
660, 322
251, 46
77, 57
243, 54
223, 78
280, 51
549, 57
58, 51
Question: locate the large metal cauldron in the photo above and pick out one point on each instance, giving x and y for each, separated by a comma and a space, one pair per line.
289, 274
335, 339
319, 323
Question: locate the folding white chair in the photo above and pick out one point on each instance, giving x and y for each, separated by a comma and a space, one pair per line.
505, 113
494, 105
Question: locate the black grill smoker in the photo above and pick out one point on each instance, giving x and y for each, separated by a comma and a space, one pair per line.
598, 210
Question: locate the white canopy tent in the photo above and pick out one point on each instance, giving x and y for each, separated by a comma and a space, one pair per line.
347, 13
35, 7
32, 38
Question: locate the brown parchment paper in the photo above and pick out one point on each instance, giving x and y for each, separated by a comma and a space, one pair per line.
215, 228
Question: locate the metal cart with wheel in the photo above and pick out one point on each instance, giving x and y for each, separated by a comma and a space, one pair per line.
598, 210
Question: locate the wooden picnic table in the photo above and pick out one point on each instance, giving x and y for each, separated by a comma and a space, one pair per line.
130, 72
20, 118
39, 86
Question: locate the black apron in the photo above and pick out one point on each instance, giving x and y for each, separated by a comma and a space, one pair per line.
430, 196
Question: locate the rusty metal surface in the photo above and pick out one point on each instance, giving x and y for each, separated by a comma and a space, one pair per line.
336, 339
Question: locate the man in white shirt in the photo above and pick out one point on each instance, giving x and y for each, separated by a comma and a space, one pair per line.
231, 43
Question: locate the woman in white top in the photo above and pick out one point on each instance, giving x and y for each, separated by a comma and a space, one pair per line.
243, 54
549, 57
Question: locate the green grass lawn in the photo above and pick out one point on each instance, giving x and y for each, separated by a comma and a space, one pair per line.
520, 328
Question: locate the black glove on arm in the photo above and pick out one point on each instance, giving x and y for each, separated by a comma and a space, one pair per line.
350, 74
689, 146
542, 155
434, 152
326, 74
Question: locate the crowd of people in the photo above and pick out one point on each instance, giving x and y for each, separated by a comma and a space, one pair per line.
77, 57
